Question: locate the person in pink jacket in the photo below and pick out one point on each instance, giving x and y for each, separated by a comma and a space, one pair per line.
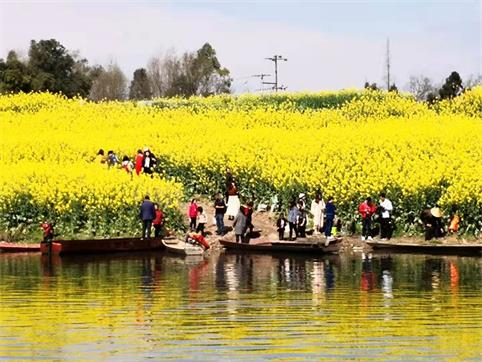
192, 213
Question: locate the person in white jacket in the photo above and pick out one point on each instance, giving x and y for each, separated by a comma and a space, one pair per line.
317, 210
386, 209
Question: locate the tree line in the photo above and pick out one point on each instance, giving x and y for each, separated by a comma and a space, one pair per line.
51, 67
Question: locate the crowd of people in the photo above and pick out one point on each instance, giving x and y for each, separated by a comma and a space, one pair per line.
376, 218
144, 161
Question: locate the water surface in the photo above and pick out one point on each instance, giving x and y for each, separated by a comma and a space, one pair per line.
240, 307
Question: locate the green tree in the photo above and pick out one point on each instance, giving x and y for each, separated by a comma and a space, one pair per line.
140, 87
54, 69
14, 75
452, 86
209, 77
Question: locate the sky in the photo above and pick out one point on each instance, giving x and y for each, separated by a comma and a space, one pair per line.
329, 45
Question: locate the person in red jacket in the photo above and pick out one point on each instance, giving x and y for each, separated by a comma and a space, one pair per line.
192, 213
139, 161
48, 232
158, 221
367, 208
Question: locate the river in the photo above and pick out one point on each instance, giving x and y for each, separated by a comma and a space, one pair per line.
240, 307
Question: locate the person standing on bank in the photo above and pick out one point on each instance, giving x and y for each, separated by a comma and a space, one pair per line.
219, 210
302, 219
386, 209
147, 215
366, 210
330, 216
293, 220
233, 201
158, 221
317, 210
229, 180
192, 213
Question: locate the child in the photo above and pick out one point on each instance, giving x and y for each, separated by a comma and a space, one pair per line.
127, 165
158, 221
192, 213
281, 224
201, 221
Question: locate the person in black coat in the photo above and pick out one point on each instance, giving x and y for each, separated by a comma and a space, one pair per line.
147, 214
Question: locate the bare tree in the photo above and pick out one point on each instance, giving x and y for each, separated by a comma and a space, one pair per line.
110, 84
421, 86
473, 81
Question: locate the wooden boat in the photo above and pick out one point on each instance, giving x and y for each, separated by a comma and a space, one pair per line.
305, 246
182, 248
447, 249
101, 245
7, 247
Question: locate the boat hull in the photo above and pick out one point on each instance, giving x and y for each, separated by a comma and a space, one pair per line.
63, 247
467, 249
182, 248
290, 247
6, 247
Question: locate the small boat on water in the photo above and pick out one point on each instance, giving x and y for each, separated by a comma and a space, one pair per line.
182, 248
101, 245
8, 247
303, 246
447, 249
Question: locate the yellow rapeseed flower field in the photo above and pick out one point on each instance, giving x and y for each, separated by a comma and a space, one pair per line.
373, 142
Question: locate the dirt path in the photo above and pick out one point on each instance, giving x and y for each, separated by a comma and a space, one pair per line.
265, 224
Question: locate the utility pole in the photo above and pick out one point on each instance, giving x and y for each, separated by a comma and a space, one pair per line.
388, 64
276, 59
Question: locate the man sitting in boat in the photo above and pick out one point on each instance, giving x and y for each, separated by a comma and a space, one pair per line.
48, 232
432, 221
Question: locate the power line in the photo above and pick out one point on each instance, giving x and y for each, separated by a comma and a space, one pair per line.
275, 59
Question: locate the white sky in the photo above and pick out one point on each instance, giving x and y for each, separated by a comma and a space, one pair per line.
329, 45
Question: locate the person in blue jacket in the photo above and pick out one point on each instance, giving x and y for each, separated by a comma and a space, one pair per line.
330, 210
147, 214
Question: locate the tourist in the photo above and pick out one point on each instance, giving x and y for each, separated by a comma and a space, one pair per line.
48, 232
233, 201
386, 209
100, 158
317, 210
112, 159
330, 217
367, 209
147, 162
454, 220
158, 221
293, 219
202, 219
228, 181
220, 210
127, 164
147, 215
248, 212
302, 199
432, 222
302, 219
139, 160
192, 213
240, 225
281, 224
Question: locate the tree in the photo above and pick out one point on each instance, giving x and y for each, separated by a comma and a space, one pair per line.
209, 77
473, 81
14, 75
109, 84
140, 87
372, 86
420, 87
452, 86
198, 73
54, 69
393, 88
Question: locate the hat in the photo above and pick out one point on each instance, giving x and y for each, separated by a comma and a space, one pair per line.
146, 149
435, 211
302, 195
